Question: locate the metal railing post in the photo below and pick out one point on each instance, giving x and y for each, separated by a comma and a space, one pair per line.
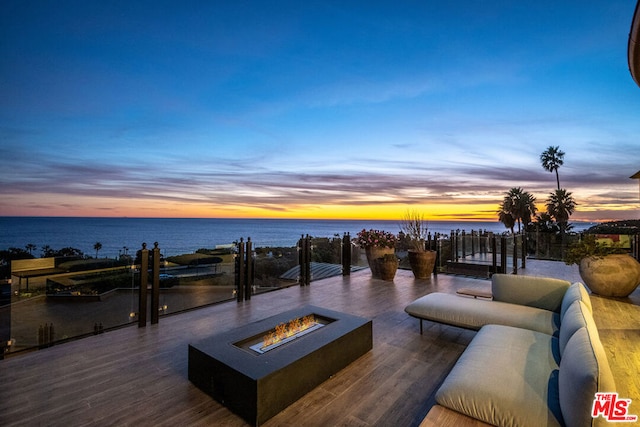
454, 246
144, 282
523, 250
503, 254
155, 286
248, 283
438, 249
240, 275
515, 254
494, 253
346, 254
307, 261
464, 244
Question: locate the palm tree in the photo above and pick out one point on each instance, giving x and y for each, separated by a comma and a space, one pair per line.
527, 208
47, 251
544, 223
30, 247
518, 206
552, 159
97, 246
546, 230
560, 205
506, 218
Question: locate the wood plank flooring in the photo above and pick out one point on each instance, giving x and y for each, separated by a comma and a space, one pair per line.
138, 376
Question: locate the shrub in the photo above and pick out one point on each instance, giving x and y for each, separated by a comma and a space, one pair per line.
589, 246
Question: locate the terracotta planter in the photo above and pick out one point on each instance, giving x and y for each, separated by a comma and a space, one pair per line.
422, 263
373, 253
386, 267
611, 276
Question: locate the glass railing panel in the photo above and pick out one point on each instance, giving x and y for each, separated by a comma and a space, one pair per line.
445, 249
67, 299
549, 245
326, 257
274, 267
358, 257
197, 279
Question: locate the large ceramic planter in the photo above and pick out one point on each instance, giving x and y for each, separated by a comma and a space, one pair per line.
611, 276
373, 253
386, 267
422, 263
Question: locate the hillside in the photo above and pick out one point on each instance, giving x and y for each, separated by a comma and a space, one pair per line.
628, 226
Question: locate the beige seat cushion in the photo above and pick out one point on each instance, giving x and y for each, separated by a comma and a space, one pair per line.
506, 377
475, 313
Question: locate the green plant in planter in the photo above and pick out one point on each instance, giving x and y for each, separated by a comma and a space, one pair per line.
588, 246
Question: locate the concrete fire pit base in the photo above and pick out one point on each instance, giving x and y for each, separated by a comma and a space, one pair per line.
258, 386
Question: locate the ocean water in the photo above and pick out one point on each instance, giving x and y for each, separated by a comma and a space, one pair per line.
186, 235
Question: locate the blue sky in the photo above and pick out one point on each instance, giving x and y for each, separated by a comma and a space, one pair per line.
314, 109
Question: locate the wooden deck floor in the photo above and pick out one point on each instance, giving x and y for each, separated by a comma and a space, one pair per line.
138, 376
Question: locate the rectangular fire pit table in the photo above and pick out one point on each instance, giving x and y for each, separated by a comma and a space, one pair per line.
257, 384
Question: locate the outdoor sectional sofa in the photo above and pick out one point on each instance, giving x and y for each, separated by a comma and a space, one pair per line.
536, 360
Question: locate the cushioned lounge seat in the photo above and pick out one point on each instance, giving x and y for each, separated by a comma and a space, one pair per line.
512, 375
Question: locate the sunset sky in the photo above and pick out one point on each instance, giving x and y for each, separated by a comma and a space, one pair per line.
314, 109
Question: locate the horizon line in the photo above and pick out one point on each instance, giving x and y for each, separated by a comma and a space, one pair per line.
452, 219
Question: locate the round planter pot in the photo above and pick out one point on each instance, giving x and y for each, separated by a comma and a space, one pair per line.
386, 268
374, 253
610, 276
422, 263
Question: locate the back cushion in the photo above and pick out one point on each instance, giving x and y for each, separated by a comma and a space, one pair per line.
574, 318
576, 292
584, 370
541, 292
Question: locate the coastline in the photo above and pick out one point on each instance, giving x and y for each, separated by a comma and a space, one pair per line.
186, 235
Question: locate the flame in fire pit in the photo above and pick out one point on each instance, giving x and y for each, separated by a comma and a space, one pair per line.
287, 330
284, 333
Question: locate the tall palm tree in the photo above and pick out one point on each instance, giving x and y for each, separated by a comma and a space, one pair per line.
519, 207
31, 247
97, 246
552, 159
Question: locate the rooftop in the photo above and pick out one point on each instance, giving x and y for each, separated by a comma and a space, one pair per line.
138, 376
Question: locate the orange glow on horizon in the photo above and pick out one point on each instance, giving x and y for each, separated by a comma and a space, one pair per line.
455, 210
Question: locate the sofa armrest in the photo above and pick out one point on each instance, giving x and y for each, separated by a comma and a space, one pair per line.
540, 292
